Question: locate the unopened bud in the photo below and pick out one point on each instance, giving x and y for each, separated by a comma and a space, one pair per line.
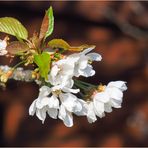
35, 75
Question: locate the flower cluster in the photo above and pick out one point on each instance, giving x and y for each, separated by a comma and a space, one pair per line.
56, 67
60, 100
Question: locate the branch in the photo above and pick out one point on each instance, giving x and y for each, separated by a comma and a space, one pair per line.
18, 74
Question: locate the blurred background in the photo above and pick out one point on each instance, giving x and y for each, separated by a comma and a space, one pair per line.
120, 32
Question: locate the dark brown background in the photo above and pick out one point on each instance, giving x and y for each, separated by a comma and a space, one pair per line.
120, 32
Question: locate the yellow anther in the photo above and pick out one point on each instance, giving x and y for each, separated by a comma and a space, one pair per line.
89, 61
101, 88
57, 92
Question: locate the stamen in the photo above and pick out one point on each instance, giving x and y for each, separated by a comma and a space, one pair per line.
57, 92
101, 88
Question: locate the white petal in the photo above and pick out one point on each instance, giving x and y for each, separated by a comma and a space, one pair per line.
52, 112
119, 84
41, 114
68, 100
62, 73
62, 112
66, 81
69, 90
63, 81
91, 117
81, 111
42, 102
69, 83
54, 70
78, 106
88, 50
53, 73
66, 117
44, 91
83, 62
67, 69
98, 108
116, 103
32, 108
87, 72
102, 97
114, 93
66, 66
107, 107
73, 58
76, 72
68, 120
53, 102
44, 88
94, 56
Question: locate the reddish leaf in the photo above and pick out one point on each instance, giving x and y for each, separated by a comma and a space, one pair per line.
17, 47
47, 24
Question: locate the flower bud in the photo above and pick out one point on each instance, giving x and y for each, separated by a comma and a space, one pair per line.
4, 77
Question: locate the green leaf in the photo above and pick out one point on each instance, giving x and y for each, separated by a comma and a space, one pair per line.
58, 43
43, 62
19, 39
13, 27
47, 24
17, 47
80, 48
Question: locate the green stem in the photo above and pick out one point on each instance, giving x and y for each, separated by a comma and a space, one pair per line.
83, 86
80, 85
14, 67
85, 83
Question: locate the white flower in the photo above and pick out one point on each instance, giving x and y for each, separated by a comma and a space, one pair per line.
94, 108
76, 64
82, 59
108, 96
61, 72
91, 116
44, 104
115, 92
66, 86
61, 75
69, 104
83, 111
3, 45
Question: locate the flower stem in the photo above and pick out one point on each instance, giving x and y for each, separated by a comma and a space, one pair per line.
84, 86
14, 67
85, 83
80, 85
